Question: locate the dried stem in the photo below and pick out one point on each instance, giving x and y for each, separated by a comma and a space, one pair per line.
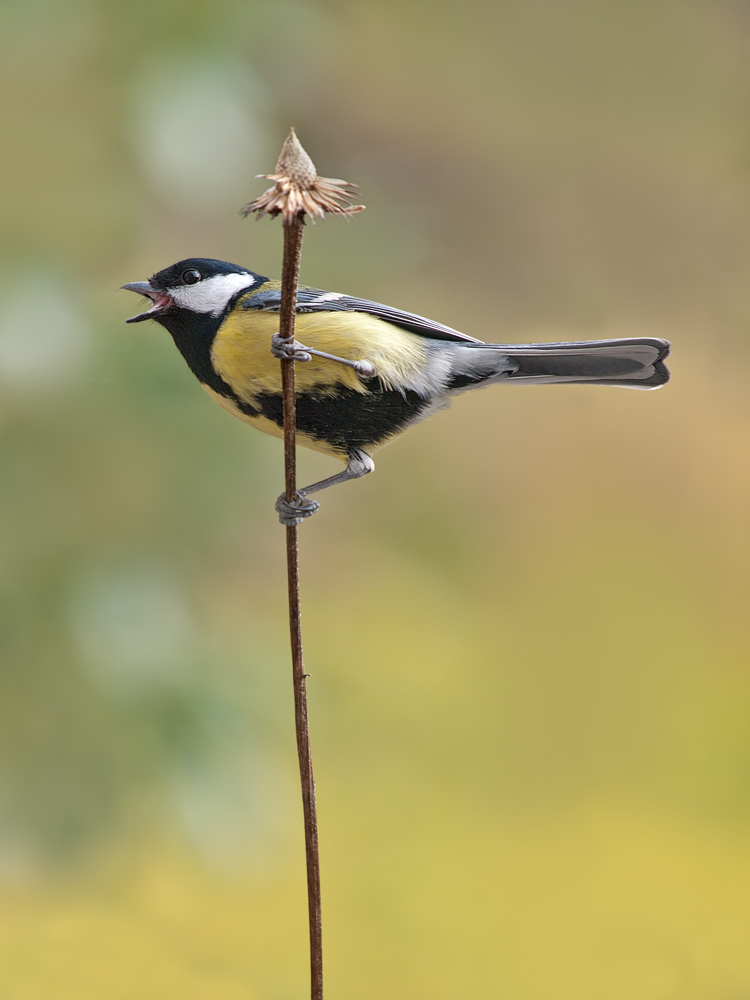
299, 192
289, 280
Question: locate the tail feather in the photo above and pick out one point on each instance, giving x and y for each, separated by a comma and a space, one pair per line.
636, 363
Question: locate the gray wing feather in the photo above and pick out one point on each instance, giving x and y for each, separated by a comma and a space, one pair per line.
313, 300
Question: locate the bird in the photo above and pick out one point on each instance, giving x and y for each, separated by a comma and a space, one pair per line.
370, 371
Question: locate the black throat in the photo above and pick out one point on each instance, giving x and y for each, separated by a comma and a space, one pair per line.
194, 333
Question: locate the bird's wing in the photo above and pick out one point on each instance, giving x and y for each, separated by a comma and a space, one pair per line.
314, 300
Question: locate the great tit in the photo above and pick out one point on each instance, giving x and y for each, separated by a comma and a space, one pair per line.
398, 368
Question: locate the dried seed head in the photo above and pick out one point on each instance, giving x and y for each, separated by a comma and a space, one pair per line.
295, 163
299, 191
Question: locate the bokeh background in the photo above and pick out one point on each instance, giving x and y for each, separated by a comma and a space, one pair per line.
527, 632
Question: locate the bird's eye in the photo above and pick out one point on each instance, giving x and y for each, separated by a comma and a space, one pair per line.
191, 276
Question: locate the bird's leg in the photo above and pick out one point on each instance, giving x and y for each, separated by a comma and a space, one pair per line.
282, 348
358, 465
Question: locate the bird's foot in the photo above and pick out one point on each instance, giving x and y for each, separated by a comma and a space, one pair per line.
292, 350
296, 511
289, 350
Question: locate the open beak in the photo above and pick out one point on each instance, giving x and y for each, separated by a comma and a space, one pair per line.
160, 300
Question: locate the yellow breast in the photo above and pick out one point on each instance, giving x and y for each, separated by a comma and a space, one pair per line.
241, 352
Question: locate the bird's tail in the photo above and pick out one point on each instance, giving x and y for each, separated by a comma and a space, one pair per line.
636, 363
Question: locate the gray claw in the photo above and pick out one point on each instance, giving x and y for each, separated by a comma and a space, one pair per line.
296, 511
282, 348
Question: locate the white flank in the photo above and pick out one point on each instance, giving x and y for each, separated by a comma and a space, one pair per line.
212, 294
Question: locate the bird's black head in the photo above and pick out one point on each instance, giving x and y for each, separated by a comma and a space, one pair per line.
197, 285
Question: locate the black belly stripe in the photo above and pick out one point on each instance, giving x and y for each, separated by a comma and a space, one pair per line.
350, 419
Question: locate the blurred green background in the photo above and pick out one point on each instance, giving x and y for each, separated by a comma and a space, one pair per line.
527, 632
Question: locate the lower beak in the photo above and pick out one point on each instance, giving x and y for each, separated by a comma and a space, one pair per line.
160, 300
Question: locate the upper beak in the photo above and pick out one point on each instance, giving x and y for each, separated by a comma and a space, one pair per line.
161, 301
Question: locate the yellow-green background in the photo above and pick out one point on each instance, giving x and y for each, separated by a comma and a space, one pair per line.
527, 632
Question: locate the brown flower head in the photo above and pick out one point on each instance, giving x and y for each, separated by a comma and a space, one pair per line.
299, 191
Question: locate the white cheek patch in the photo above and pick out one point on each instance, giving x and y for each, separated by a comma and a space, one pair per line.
212, 294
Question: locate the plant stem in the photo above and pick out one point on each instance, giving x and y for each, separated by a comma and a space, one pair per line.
289, 279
